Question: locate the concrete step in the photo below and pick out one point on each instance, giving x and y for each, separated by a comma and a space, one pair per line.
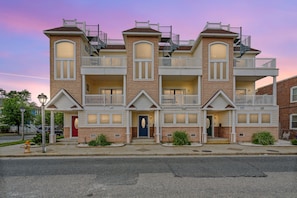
67, 141
218, 141
143, 141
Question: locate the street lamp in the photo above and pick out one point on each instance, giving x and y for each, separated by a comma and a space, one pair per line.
22, 109
42, 99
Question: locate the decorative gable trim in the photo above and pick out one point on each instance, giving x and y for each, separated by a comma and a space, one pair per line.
63, 101
133, 104
210, 104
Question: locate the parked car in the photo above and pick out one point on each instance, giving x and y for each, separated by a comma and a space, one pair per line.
48, 129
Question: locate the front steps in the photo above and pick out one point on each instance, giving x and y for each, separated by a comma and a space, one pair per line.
217, 140
143, 141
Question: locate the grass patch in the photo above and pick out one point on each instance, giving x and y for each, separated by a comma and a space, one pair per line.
12, 143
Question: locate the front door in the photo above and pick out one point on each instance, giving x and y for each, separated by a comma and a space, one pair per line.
209, 125
143, 126
74, 126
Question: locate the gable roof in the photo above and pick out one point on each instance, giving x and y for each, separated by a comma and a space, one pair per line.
143, 102
219, 101
63, 101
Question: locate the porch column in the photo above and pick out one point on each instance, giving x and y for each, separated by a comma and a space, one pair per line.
83, 89
160, 89
233, 134
234, 89
128, 127
199, 90
157, 124
204, 134
52, 136
274, 91
124, 90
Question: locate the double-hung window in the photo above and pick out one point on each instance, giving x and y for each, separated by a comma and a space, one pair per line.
293, 121
293, 96
143, 65
64, 60
218, 69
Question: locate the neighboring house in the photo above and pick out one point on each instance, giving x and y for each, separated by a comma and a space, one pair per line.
151, 84
287, 102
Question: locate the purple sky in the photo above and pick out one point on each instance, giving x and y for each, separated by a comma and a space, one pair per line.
24, 49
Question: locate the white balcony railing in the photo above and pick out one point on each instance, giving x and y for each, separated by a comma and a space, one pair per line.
103, 99
179, 99
254, 99
179, 62
254, 62
104, 61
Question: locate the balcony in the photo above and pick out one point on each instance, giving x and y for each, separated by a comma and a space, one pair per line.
254, 100
178, 100
106, 65
180, 66
104, 99
255, 67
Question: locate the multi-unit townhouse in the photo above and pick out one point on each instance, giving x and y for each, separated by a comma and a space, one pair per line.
150, 84
287, 102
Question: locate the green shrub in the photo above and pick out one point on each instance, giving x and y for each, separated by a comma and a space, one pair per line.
294, 141
263, 138
38, 138
180, 138
100, 141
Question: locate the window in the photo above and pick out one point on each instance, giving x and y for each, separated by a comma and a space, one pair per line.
293, 121
241, 118
294, 94
64, 60
116, 118
218, 62
143, 68
265, 118
92, 119
180, 118
253, 118
168, 118
104, 119
192, 118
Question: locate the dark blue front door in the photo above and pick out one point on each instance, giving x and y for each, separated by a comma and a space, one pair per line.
143, 126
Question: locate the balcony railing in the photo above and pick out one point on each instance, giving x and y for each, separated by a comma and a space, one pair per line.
103, 99
108, 61
179, 99
254, 99
179, 62
254, 62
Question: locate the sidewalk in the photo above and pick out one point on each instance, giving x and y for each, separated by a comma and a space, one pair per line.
72, 149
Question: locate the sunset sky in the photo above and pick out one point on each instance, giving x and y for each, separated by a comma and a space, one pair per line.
24, 49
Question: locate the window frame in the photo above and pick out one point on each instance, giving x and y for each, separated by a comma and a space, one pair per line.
291, 94
67, 60
226, 61
143, 60
291, 121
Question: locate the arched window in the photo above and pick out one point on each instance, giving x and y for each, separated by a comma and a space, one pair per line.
143, 65
65, 60
218, 62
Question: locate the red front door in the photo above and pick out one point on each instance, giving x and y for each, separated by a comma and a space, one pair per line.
74, 126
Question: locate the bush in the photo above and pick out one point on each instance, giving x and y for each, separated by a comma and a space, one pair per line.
264, 138
100, 141
180, 138
38, 138
294, 141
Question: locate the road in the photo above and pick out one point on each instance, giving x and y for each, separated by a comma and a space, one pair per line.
13, 138
265, 176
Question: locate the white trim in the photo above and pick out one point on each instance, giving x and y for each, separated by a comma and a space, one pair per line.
69, 60
150, 99
212, 126
291, 119
291, 94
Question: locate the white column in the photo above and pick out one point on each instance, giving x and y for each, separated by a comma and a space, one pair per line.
128, 126
124, 90
83, 89
274, 92
52, 136
157, 125
233, 133
160, 89
234, 88
199, 90
204, 134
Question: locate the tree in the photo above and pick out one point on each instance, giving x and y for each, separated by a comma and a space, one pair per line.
11, 114
59, 119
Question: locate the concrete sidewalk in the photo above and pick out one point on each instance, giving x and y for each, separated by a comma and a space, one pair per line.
65, 148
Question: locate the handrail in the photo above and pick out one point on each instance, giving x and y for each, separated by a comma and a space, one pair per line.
104, 61
255, 62
179, 62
